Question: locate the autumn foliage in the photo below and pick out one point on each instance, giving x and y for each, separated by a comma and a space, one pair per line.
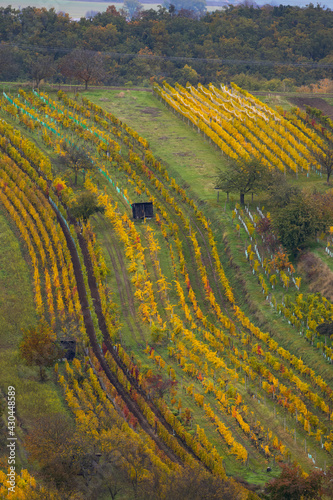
39, 348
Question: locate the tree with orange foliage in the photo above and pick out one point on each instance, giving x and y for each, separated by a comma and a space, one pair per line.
39, 348
280, 262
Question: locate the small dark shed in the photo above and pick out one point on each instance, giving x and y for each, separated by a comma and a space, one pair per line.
69, 349
142, 210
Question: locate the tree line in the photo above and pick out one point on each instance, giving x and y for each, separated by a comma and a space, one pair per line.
297, 216
174, 44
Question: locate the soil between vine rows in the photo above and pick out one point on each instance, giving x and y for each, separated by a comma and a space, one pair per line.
314, 102
132, 405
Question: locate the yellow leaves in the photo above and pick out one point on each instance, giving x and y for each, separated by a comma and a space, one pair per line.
190, 389
273, 279
328, 446
240, 452
307, 427
199, 399
234, 412
312, 324
238, 399
250, 228
132, 267
324, 406
129, 252
24, 486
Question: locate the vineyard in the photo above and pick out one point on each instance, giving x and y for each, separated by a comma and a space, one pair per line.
170, 356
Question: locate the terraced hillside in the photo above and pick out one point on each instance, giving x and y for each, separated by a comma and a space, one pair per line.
190, 341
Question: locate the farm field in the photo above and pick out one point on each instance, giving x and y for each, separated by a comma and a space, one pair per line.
197, 349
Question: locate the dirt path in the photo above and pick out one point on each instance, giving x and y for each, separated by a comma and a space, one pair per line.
132, 406
313, 102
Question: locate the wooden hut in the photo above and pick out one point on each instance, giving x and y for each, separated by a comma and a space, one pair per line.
143, 210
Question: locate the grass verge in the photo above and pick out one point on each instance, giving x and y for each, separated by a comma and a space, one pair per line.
17, 311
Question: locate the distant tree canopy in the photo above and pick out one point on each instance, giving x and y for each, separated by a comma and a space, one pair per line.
241, 34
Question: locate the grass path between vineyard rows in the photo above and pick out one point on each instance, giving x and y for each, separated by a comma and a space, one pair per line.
181, 148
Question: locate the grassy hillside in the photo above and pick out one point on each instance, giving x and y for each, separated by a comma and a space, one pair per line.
169, 138
17, 312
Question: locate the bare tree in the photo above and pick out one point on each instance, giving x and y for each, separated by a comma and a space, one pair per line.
40, 67
84, 65
324, 157
132, 8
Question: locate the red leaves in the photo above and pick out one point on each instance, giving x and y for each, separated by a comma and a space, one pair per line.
59, 187
292, 485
